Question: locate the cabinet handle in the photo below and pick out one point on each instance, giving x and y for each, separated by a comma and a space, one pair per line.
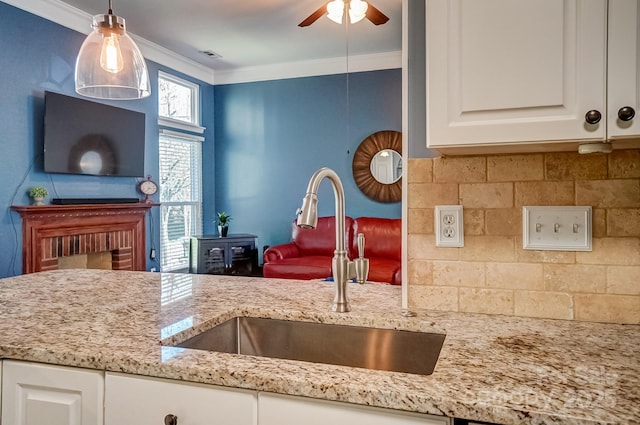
170, 419
593, 117
626, 113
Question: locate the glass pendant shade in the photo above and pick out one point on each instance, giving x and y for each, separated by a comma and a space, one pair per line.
335, 10
109, 64
357, 10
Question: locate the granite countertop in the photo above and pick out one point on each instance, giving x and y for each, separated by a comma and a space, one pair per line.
497, 369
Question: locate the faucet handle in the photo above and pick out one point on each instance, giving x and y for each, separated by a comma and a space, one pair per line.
360, 245
361, 264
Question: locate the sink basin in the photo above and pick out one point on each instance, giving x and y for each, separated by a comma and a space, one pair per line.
371, 348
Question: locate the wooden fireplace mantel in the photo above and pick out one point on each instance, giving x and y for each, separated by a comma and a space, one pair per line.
53, 231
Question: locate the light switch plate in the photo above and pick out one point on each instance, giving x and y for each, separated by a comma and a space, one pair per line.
449, 226
562, 228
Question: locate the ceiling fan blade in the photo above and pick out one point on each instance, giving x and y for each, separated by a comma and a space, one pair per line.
314, 16
375, 16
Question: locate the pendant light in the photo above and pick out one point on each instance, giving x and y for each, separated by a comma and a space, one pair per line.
357, 10
335, 10
109, 64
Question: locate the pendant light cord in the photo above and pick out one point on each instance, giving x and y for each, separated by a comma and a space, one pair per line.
110, 8
347, 63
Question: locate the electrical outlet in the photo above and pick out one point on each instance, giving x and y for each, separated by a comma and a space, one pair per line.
448, 219
152, 254
449, 232
449, 227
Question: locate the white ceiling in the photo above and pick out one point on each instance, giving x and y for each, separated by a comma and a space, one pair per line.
252, 33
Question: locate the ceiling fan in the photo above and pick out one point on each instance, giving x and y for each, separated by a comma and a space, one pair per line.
357, 9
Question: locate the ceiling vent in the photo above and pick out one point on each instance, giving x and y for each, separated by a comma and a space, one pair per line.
211, 54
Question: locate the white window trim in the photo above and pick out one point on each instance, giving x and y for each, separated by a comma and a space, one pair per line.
177, 134
180, 125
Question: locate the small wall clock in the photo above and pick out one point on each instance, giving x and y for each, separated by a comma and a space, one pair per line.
148, 188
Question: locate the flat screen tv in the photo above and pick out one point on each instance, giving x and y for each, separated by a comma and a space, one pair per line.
86, 137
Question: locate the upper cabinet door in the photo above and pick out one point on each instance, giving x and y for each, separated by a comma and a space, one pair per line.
623, 71
512, 72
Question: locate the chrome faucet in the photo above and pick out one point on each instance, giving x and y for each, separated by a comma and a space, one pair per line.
308, 219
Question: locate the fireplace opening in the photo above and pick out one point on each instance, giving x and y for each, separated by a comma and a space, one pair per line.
94, 260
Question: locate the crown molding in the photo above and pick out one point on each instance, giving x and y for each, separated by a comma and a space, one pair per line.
80, 21
171, 59
56, 11
280, 71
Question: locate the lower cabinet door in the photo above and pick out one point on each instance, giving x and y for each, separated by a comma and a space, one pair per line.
140, 400
287, 410
37, 394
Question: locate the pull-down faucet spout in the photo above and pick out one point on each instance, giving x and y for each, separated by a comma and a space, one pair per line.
308, 218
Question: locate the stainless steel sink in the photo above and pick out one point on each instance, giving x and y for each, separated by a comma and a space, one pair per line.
371, 348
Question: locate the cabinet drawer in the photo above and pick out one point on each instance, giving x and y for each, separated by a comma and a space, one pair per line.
278, 409
146, 401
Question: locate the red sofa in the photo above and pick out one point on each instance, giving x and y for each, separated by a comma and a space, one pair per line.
309, 254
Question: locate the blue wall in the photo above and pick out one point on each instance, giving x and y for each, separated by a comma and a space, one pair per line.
271, 136
39, 55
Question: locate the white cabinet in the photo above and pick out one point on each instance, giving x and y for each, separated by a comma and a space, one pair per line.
511, 75
623, 79
287, 410
147, 401
36, 394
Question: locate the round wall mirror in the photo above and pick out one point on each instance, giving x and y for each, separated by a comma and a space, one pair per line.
386, 166
377, 166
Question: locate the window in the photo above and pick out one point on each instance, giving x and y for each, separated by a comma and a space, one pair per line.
180, 158
179, 101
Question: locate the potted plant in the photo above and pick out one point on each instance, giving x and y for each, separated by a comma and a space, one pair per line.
38, 193
223, 223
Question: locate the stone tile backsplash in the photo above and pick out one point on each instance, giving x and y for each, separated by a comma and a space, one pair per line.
492, 273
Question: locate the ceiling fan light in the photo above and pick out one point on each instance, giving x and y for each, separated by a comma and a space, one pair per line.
357, 10
109, 63
335, 11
